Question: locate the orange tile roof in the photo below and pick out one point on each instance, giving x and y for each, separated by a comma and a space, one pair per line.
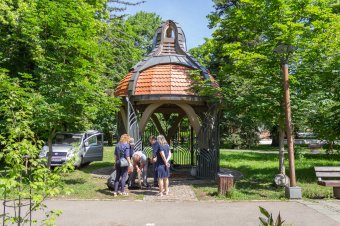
122, 88
164, 79
159, 79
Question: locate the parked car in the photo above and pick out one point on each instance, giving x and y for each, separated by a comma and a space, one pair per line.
86, 146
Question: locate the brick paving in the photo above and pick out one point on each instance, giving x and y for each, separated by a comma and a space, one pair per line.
330, 208
178, 191
180, 184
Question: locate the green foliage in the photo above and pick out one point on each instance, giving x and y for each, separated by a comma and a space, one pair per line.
205, 87
129, 41
25, 176
73, 54
241, 54
144, 26
268, 220
233, 141
59, 62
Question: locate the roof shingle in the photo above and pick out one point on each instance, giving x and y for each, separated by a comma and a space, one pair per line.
164, 79
159, 79
122, 88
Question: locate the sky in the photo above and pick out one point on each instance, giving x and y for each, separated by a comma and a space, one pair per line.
190, 14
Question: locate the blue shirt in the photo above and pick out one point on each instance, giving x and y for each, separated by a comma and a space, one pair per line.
155, 148
122, 150
162, 148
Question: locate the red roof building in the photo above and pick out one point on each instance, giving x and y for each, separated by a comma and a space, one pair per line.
166, 71
161, 84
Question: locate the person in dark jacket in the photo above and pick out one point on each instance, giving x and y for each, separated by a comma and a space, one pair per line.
163, 165
122, 151
155, 147
132, 146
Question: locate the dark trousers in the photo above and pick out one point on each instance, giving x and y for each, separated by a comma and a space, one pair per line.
155, 174
120, 172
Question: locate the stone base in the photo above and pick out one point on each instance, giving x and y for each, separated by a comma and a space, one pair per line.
336, 192
293, 192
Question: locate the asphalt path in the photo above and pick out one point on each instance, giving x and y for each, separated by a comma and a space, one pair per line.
157, 213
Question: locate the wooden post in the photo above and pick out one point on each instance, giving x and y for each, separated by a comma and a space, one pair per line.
225, 183
290, 141
192, 145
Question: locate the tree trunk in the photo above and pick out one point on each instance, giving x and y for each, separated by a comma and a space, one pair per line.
275, 136
281, 151
109, 138
330, 147
49, 154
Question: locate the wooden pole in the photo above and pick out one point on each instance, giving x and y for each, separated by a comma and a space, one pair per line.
289, 125
192, 145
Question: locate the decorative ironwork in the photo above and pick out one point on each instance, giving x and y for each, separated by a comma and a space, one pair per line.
149, 131
207, 145
181, 154
181, 144
148, 151
133, 128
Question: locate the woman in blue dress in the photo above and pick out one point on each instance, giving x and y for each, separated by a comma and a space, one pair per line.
163, 165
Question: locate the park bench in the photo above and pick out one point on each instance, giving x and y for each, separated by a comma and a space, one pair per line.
313, 146
329, 176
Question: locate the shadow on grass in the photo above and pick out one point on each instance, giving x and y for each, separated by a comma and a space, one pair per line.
95, 165
75, 181
105, 192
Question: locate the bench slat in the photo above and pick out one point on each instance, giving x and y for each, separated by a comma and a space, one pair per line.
330, 183
328, 174
326, 168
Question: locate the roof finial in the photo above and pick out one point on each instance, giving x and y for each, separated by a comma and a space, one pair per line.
169, 39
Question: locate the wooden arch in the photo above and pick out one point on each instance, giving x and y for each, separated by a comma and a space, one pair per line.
189, 111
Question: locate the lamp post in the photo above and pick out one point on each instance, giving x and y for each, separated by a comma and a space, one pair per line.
291, 191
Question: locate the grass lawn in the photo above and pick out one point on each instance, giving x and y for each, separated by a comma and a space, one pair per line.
258, 167
259, 170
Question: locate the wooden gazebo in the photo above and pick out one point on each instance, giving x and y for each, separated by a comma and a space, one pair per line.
161, 85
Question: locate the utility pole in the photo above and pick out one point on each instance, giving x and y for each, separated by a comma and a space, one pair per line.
291, 191
288, 117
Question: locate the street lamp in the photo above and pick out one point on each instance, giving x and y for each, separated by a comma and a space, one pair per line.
291, 191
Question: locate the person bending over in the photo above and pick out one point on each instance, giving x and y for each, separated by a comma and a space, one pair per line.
140, 166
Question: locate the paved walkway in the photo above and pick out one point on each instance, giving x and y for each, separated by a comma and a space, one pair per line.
181, 207
178, 191
153, 213
330, 208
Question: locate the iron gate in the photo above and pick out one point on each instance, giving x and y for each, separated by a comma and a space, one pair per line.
183, 151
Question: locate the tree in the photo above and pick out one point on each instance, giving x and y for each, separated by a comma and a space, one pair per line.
59, 61
25, 176
241, 51
58, 49
144, 26
126, 41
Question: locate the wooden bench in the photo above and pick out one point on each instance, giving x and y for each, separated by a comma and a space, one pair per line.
329, 176
314, 146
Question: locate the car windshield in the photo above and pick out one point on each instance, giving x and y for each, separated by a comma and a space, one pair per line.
68, 139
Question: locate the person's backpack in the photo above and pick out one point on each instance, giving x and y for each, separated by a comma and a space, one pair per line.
111, 180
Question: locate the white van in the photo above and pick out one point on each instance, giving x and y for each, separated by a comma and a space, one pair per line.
88, 146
